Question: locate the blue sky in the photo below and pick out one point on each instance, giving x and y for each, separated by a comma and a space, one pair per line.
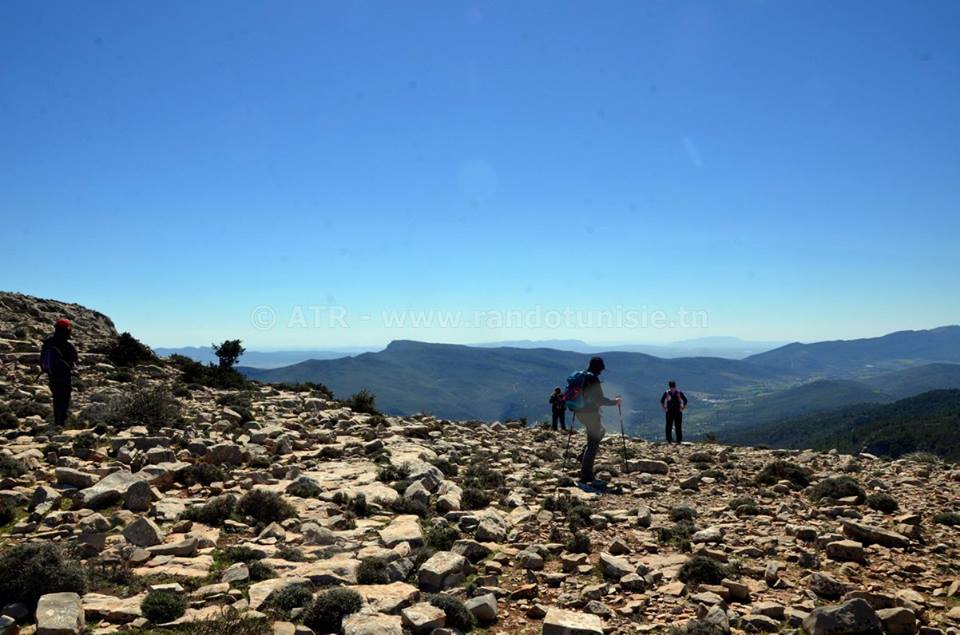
790, 170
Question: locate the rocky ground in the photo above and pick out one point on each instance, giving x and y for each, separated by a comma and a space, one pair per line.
238, 510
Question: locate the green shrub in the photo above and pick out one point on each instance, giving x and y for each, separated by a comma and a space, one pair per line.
209, 375
372, 571
241, 553
290, 554
883, 503
290, 597
678, 514
950, 519
229, 620
838, 487
129, 351
24, 408
33, 569
202, 474
448, 468
781, 470
358, 506
260, 571
482, 476
388, 473
8, 511
214, 512
228, 353
679, 535
441, 537
325, 614
163, 606
8, 420
473, 498
458, 617
154, 408
697, 627
305, 488
701, 570
265, 506
579, 543
363, 401
11, 467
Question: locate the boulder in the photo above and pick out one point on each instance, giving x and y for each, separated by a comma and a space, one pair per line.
404, 528
648, 466
143, 532
109, 490
615, 567
60, 614
364, 624
845, 551
855, 617
423, 617
898, 621
443, 570
870, 535
483, 608
563, 622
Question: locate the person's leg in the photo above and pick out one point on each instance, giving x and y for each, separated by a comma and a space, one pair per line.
679, 424
554, 422
594, 430
61, 400
563, 419
669, 429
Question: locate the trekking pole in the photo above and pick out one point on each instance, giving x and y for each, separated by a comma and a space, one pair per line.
566, 451
623, 439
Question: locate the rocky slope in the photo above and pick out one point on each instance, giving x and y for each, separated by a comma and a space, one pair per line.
250, 505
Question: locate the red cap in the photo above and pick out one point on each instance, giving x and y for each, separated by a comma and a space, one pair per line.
62, 323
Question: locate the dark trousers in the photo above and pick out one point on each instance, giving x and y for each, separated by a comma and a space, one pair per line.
674, 418
560, 417
61, 388
594, 429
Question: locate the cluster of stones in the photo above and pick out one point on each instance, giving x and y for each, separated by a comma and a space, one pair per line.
828, 567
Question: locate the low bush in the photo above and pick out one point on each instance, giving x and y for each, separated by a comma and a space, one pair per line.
33, 569
260, 571
24, 408
579, 543
290, 554
209, 375
389, 473
363, 401
578, 516
129, 351
290, 597
8, 511
305, 488
241, 553
950, 519
202, 474
11, 467
474, 498
701, 570
458, 617
679, 535
163, 605
358, 506
883, 503
153, 407
441, 537
678, 514
697, 627
447, 467
214, 512
781, 470
372, 571
265, 506
838, 487
325, 614
482, 476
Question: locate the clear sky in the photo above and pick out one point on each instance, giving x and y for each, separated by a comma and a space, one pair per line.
788, 170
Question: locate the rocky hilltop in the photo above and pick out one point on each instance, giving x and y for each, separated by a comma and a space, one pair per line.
169, 504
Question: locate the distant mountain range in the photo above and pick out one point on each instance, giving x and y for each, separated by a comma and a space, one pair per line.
928, 422
257, 359
714, 346
865, 357
483, 382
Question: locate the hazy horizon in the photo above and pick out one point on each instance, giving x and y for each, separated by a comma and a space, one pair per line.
307, 174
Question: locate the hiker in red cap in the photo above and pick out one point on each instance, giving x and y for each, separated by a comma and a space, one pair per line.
58, 357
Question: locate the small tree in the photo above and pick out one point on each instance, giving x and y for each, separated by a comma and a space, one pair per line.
228, 353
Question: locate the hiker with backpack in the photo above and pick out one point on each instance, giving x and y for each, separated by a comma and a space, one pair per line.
58, 358
585, 398
674, 402
558, 409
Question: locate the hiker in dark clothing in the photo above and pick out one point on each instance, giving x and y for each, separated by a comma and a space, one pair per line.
58, 357
590, 417
559, 409
674, 402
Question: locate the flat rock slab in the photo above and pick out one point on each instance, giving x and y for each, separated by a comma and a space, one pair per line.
109, 490
855, 617
60, 614
326, 572
361, 624
98, 607
387, 598
563, 622
404, 528
870, 535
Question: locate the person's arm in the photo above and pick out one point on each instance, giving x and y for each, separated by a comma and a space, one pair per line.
602, 400
663, 402
683, 400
